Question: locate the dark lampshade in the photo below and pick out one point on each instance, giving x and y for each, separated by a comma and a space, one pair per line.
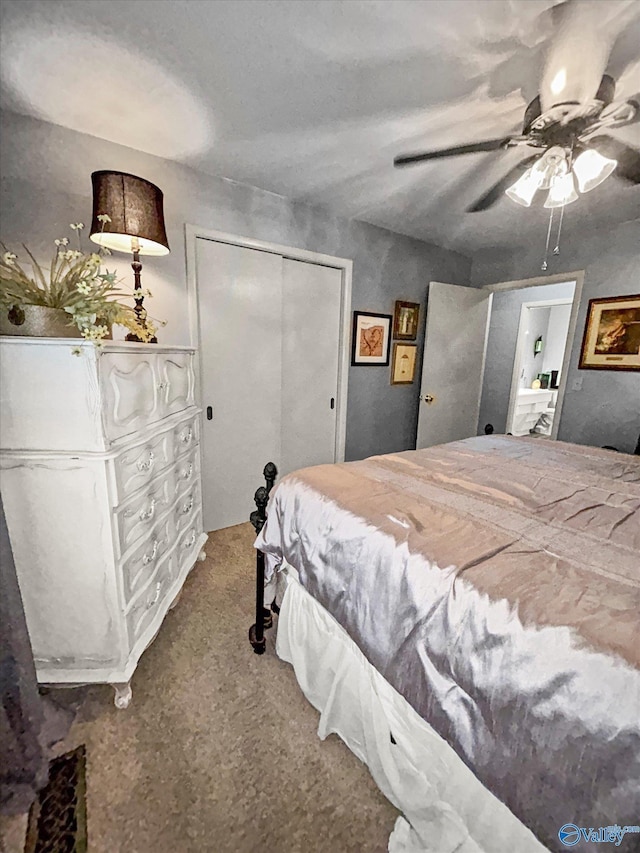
135, 209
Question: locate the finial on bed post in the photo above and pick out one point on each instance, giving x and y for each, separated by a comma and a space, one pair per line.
258, 518
259, 515
270, 473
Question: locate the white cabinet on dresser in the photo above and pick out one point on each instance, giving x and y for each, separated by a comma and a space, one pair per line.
100, 479
529, 404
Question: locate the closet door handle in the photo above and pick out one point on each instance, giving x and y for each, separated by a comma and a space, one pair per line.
209, 413
333, 403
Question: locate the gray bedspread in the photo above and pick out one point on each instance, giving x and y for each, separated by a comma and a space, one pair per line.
495, 583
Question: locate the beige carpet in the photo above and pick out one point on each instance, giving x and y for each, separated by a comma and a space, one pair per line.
218, 752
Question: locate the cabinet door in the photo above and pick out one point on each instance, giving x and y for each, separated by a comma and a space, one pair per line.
239, 308
175, 381
142, 388
131, 391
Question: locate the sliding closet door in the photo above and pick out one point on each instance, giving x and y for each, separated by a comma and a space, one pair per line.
311, 305
240, 315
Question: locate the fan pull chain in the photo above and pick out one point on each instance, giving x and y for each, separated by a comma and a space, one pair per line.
546, 248
556, 250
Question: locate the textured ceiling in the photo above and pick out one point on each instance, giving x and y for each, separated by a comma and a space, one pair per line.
314, 99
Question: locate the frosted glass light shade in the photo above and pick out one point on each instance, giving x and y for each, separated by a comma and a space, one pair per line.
524, 189
562, 191
135, 208
591, 169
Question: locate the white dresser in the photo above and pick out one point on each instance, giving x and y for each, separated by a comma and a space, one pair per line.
100, 479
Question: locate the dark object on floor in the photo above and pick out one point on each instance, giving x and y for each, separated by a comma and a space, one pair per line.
258, 518
58, 818
488, 429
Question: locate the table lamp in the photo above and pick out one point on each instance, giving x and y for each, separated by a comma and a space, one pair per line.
134, 207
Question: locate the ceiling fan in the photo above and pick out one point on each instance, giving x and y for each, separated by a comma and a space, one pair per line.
567, 123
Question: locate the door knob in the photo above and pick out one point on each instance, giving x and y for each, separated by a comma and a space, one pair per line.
428, 398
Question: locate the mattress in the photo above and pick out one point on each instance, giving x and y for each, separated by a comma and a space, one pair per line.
494, 583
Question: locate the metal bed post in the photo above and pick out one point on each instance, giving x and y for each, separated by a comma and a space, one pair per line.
257, 518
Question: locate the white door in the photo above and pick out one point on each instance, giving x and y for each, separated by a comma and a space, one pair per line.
270, 350
311, 303
240, 315
453, 363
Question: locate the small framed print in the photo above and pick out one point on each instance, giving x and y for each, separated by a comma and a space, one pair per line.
405, 320
612, 334
371, 338
403, 365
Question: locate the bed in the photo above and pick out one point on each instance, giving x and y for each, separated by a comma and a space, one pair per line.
466, 618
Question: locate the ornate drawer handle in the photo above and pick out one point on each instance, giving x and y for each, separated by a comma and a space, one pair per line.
186, 436
146, 514
188, 543
186, 474
156, 596
145, 464
186, 508
149, 558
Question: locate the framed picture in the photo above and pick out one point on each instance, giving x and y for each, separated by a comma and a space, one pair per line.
403, 366
612, 334
371, 338
405, 320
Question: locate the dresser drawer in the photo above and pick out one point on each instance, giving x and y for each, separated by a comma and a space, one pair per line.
176, 489
143, 561
139, 465
151, 598
140, 389
186, 469
186, 508
188, 539
136, 518
185, 436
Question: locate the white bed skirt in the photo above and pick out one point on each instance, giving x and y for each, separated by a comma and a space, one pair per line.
444, 807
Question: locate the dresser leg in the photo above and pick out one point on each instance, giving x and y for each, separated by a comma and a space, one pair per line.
123, 695
202, 556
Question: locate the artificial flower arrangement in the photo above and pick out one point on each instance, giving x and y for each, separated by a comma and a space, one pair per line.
76, 283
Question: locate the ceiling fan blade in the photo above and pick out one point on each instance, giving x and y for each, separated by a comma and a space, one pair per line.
497, 190
580, 30
628, 158
488, 145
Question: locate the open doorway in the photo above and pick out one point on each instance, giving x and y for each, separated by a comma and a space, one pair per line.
529, 340
537, 372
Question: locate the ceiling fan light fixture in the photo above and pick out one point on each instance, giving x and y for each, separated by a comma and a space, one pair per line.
524, 189
591, 169
562, 191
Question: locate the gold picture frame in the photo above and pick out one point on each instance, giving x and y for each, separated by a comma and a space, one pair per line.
403, 365
405, 320
611, 338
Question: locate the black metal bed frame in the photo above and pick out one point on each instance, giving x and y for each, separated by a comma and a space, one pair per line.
264, 619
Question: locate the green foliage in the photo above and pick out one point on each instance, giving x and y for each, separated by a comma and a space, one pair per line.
76, 282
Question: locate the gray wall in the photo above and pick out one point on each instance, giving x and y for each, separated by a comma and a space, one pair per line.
501, 349
606, 410
555, 341
46, 185
537, 328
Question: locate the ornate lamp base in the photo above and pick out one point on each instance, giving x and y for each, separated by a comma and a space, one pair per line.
139, 298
